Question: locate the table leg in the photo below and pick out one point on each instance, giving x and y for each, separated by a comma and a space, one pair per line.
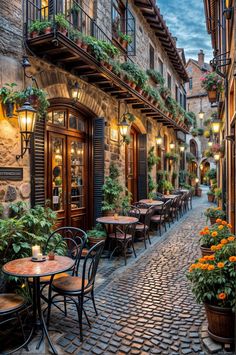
38, 316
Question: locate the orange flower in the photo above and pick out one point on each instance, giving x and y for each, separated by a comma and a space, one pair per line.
220, 265
202, 232
218, 208
204, 266
229, 225
231, 238
202, 260
220, 227
206, 229
232, 259
224, 241
221, 296
224, 223
218, 220
219, 246
214, 234
213, 248
211, 257
211, 267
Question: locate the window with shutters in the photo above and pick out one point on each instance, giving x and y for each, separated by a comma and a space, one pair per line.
161, 66
151, 56
169, 81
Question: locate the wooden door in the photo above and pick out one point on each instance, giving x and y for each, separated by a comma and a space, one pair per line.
131, 165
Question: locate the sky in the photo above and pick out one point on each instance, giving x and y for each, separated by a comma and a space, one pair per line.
186, 21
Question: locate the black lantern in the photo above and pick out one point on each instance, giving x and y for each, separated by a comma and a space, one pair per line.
26, 119
123, 127
74, 90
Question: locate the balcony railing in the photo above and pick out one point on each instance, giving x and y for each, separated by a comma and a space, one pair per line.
74, 14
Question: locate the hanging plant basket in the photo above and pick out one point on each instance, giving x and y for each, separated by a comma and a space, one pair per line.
9, 109
221, 323
212, 96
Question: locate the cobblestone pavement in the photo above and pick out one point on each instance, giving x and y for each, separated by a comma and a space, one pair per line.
146, 307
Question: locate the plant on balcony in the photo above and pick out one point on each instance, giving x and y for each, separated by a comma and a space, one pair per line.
213, 84
194, 132
8, 97
96, 49
124, 39
156, 76
192, 118
36, 97
61, 23
109, 49
138, 74
112, 190
46, 27
76, 36
165, 92
172, 156
35, 28
172, 107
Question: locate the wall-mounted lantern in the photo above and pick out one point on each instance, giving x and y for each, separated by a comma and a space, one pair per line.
26, 119
74, 90
172, 145
182, 148
123, 127
216, 156
215, 124
201, 112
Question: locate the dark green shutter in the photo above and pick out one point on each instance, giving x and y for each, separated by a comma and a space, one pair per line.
142, 166
98, 165
38, 165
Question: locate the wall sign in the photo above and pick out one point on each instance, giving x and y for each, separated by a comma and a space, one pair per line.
181, 136
14, 174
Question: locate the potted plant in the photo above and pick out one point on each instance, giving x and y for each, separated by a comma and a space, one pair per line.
156, 76
218, 193
112, 190
165, 92
214, 213
36, 97
35, 28
213, 284
138, 75
46, 27
213, 84
61, 23
124, 39
172, 156
8, 97
96, 234
167, 187
210, 196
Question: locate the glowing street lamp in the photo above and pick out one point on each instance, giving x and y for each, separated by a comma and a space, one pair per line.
159, 140
215, 124
172, 145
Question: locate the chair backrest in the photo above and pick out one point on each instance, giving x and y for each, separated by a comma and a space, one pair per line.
158, 196
75, 239
140, 205
90, 265
148, 215
133, 211
167, 206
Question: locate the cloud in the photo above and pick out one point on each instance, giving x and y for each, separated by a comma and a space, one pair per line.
186, 21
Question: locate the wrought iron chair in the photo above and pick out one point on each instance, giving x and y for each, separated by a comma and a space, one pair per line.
11, 305
161, 218
74, 288
144, 228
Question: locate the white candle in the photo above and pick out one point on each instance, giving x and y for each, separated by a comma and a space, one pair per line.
40, 256
35, 251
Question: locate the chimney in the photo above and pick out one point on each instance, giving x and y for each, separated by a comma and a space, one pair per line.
175, 39
201, 56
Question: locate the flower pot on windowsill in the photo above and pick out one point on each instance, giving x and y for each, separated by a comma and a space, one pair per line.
47, 30
34, 34
63, 31
139, 89
212, 95
221, 323
206, 251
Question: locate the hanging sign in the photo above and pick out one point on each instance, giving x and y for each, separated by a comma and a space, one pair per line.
14, 174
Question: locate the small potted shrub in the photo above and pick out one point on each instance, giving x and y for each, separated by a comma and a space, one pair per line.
124, 39
213, 284
46, 27
35, 28
167, 187
218, 193
8, 97
156, 76
213, 84
96, 234
61, 23
214, 213
210, 196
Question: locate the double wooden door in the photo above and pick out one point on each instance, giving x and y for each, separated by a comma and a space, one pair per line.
131, 165
67, 178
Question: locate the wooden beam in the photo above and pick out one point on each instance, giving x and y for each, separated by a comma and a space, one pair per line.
142, 5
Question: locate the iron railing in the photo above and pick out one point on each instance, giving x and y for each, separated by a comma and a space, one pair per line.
75, 15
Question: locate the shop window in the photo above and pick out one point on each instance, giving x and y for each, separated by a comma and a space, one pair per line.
151, 57
161, 66
118, 17
169, 81
67, 119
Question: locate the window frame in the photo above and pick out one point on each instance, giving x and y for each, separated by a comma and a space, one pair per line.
151, 57
169, 81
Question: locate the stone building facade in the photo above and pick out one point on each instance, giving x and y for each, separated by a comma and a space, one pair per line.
94, 106
197, 101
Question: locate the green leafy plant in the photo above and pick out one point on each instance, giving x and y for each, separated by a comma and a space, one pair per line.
75, 9
124, 37
214, 212
138, 74
200, 131
194, 132
112, 190
156, 76
8, 94
218, 193
211, 174
36, 97
97, 232
172, 156
167, 186
36, 26
193, 118
214, 234
211, 193
61, 22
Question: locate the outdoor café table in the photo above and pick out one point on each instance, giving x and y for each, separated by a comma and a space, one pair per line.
183, 191
169, 197
25, 267
152, 202
120, 220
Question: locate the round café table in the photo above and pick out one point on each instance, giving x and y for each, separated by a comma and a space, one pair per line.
170, 197
120, 220
25, 267
151, 202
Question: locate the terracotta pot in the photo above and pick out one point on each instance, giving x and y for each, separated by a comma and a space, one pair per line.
212, 95
79, 42
123, 43
206, 251
133, 85
221, 323
139, 89
211, 198
63, 31
47, 30
93, 241
34, 34
212, 220
84, 46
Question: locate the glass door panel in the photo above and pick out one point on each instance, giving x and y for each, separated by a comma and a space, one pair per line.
77, 174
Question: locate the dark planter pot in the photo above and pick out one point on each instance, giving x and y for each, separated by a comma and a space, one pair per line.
212, 96
221, 323
211, 198
212, 220
93, 241
206, 251
9, 109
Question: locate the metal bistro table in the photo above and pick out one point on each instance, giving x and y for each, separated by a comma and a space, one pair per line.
120, 220
25, 267
151, 202
170, 197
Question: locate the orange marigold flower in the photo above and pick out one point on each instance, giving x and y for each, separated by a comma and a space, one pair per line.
204, 266
202, 260
211, 257
219, 246
224, 223
220, 265
222, 296
218, 208
211, 267
231, 238
224, 241
232, 259
229, 225
220, 227
218, 220
213, 248
214, 234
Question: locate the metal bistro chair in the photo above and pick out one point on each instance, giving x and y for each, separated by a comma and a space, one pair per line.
74, 288
161, 218
11, 305
144, 228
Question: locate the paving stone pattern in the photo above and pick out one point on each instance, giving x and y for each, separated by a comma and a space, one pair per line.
148, 308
